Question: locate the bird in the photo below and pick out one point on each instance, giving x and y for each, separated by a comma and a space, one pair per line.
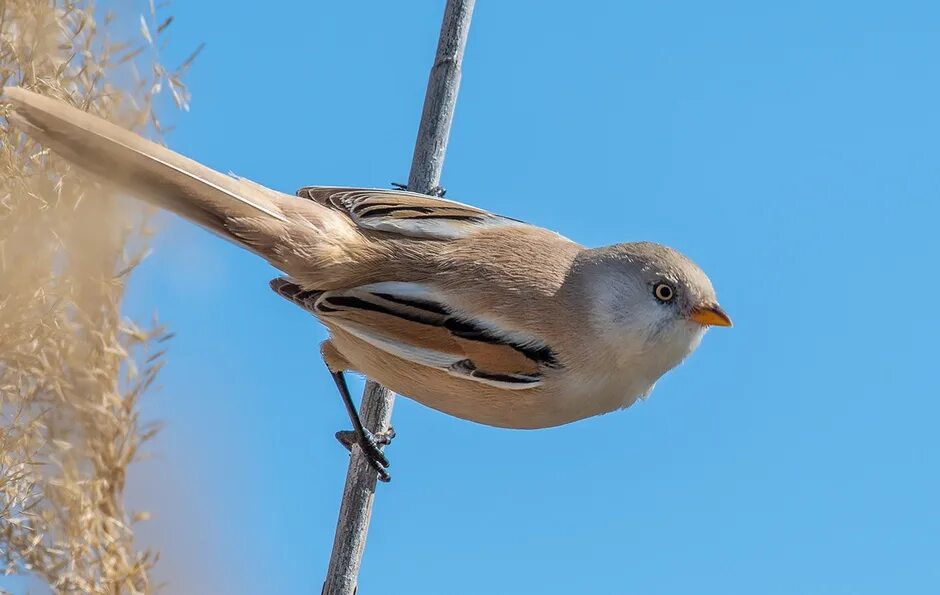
475, 314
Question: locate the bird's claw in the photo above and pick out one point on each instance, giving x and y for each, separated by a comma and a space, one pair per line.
438, 191
370, 444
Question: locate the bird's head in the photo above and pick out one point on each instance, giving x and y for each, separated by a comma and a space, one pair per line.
649, 303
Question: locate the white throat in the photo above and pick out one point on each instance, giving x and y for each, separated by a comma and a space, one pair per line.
641, 348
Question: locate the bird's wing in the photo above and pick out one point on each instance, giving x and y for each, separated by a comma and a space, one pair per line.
405, 213
411, 321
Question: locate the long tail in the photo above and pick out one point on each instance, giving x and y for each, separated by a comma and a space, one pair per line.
150, 171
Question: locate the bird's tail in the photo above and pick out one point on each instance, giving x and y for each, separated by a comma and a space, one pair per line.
249, 214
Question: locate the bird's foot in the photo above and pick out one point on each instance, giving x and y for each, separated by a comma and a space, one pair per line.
438, 191
370, 444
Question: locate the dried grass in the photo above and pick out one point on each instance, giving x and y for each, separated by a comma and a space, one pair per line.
72, 371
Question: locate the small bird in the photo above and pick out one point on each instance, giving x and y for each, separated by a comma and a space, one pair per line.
474, 314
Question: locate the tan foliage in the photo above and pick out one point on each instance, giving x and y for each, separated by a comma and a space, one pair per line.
72, 370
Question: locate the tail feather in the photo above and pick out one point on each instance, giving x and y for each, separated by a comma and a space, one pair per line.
145, 169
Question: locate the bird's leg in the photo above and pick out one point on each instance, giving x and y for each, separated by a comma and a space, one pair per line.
369, 443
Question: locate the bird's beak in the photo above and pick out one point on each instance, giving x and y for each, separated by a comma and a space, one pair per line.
710, 315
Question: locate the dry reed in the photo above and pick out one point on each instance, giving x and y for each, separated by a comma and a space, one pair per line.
72, 370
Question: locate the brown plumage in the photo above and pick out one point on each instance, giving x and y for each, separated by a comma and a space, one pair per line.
471, 313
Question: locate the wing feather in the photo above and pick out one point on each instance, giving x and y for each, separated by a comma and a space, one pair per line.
405, 213
410, 321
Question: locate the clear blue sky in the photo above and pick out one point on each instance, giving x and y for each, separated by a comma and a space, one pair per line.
792, 151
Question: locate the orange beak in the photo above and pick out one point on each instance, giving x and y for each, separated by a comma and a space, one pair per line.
710, 315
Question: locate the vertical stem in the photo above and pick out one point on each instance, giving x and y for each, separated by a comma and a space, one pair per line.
377, 401
440, 98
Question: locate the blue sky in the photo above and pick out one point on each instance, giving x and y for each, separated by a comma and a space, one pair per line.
791, 150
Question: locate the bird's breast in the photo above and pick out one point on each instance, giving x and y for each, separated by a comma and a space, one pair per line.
556, 401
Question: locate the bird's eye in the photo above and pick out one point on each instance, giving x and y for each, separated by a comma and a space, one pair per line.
664, 292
